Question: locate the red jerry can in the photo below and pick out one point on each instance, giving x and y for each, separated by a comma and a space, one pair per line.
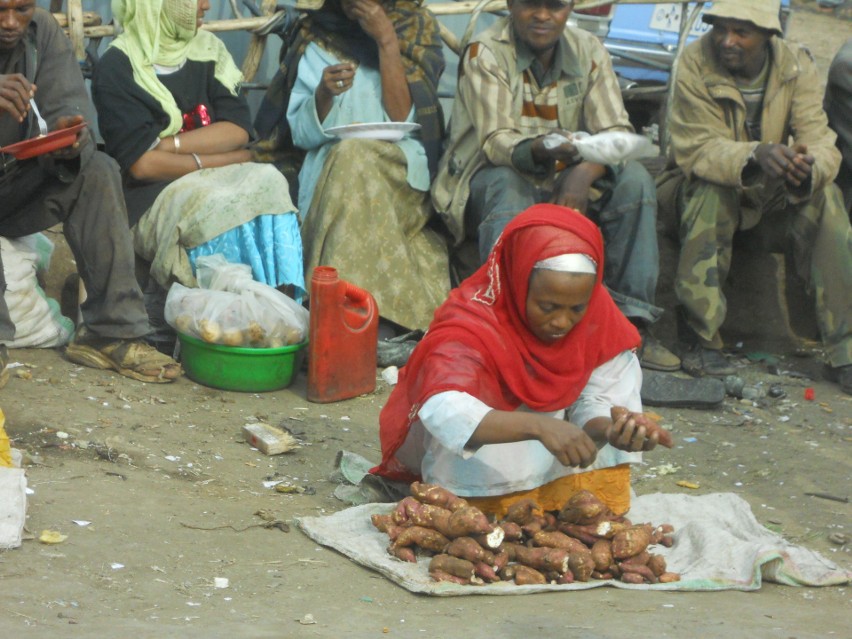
344, 325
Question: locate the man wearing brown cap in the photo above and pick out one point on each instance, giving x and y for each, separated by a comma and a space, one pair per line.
751, 149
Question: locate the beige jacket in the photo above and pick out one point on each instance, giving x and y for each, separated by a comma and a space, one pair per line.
486, 123
707, 124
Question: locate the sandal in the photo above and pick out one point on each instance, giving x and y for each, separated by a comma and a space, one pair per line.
131, 358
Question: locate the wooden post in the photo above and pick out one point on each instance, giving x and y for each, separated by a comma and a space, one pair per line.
75, 28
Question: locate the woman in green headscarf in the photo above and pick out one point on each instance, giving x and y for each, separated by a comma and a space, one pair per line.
171, 115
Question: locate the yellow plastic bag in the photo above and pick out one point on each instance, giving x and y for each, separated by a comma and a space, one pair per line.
5, 446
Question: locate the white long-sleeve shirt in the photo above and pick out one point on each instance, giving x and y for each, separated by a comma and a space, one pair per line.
437, 441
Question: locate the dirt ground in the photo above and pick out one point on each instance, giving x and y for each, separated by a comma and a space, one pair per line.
174, 498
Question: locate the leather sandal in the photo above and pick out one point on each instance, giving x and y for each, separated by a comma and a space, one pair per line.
132, 358
666, 389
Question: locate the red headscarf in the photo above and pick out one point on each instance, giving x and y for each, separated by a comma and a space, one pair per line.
479, 341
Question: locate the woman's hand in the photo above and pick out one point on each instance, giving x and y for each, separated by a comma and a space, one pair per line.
373, 19
567, 442
626, 434
336, 80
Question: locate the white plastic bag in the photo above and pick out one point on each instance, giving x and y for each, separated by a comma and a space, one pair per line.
37, 318
609, 147
233, 309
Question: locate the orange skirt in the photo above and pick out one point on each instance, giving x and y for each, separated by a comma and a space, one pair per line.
610, 485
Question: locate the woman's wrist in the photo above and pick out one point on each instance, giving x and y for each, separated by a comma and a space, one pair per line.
176, 143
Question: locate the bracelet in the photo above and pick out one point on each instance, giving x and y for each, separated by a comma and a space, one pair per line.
197, 160
176, 142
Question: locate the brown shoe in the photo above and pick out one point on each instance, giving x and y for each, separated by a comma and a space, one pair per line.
653, 355
129, 357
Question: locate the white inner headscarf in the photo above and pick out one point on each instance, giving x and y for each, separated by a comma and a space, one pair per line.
569, 263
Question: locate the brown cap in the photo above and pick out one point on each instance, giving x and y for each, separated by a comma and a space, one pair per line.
761, 13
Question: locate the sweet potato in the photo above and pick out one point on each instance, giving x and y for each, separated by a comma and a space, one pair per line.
543, 559
525, 575
522, 512
437, 496
491, 540
639, 559
602, 554
381, 522
586, 534
607, 528
557, 539
647, 575
501, 559
440, 575
425, 538
583, 508
405, 553
452, 566
535, 526
485, 572
511, 531
630, 542
426, 514
632, 578
466, 521
657, 564
402, 513
651, 425
565, 578
669, 577
662, 535
467, 548
597, 574
581, 565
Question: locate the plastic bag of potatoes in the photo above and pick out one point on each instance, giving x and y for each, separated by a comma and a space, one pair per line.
235, 310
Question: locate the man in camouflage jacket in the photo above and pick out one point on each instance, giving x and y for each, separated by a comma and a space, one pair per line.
751, 147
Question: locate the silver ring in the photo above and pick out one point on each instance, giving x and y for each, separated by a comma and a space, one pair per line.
340, 84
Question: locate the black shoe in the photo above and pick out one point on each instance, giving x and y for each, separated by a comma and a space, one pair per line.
699, 361
665, 389
396, 350
842, 376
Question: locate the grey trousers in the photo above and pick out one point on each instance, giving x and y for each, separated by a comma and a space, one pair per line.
626, 215
90, 205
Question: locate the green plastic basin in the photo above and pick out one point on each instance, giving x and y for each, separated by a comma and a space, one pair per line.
237, 368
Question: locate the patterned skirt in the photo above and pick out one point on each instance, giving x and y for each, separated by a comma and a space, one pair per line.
368, 223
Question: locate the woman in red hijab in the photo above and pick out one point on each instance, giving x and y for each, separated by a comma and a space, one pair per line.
508, 395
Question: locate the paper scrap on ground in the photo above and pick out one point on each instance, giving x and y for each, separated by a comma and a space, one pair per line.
719, 545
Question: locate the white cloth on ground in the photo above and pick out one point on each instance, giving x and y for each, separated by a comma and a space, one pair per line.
719, 545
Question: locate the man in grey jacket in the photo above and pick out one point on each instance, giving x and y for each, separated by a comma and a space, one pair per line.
76, 186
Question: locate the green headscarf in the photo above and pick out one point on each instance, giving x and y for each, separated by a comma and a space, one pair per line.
164, 32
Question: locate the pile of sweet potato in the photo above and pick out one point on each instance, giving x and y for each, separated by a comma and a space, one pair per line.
583, 541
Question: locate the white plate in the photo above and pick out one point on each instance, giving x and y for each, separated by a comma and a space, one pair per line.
390, 131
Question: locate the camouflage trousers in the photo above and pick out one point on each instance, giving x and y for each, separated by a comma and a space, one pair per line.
815, 233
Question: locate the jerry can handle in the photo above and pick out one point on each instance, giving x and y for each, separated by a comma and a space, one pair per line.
357, 295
